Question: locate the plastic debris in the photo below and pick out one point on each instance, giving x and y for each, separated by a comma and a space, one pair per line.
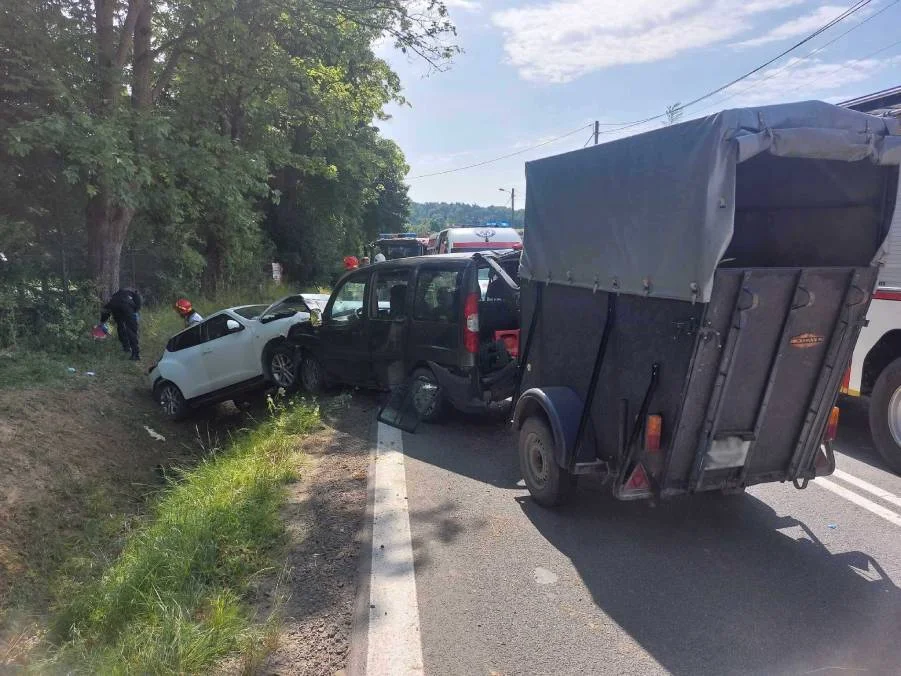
90, 373
154, 434
832, 526
71, 369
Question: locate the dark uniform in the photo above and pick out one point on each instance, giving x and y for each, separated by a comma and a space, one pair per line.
124, 306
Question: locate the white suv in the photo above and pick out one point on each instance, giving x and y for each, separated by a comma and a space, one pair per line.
235, 353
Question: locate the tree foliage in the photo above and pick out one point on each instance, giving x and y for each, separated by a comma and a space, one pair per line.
428, 217
202, 137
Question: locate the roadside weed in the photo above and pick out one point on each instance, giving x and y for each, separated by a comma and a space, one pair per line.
172, 601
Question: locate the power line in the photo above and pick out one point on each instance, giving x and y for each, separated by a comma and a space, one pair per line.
793, 64
504, 157
843, 66
856, 7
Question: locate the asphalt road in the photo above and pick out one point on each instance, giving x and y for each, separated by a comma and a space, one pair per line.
773, 581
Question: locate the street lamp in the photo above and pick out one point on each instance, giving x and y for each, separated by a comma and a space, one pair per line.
512, 192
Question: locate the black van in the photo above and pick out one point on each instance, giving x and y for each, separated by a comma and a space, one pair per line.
443, 327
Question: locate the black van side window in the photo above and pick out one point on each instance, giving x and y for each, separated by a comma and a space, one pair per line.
390, 290
437, 296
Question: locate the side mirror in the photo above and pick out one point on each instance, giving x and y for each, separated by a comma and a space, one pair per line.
233, 326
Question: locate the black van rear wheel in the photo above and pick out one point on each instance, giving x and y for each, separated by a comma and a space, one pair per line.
549, 484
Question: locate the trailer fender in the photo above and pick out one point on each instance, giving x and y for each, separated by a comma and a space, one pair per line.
562, 407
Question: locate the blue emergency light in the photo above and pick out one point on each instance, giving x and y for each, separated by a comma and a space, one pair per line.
397, 235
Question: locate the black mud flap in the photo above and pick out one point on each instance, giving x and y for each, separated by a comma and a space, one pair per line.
398, 410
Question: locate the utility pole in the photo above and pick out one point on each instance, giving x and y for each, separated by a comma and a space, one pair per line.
597, 125
512, 192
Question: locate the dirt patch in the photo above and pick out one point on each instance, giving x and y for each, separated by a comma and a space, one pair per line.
324, 515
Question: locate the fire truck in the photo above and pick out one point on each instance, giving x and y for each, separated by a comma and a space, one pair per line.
875, 369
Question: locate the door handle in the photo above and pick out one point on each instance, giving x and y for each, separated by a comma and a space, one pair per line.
207, 352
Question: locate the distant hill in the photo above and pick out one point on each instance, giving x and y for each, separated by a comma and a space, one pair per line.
434, 216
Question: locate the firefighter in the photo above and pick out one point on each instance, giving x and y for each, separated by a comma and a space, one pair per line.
184, 308
124, 306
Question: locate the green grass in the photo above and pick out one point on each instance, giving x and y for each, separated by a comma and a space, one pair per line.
173, 600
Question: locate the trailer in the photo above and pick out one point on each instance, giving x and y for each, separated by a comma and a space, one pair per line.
691, 298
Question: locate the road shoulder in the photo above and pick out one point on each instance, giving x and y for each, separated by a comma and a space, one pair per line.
325, 518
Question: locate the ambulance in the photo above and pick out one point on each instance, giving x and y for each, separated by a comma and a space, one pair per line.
483, 238
875, 369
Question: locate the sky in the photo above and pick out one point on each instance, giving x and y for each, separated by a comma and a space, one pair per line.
534, 70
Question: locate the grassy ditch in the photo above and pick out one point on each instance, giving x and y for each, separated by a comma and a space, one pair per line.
173, 601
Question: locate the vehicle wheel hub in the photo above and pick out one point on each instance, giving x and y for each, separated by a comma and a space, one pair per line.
535, 452
894, 415
282, 367
169, 400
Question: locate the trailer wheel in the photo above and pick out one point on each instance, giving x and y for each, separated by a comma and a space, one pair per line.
549, 484
885, 414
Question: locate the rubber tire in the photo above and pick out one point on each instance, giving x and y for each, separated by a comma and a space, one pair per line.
316, 385
437, 411
182, 409
889, 381
558, 486
289, 353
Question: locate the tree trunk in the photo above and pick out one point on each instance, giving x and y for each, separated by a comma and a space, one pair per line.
105, 37
215, 264
107, 226
142, 89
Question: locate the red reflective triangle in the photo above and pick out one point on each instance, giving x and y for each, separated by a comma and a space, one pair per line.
638, 480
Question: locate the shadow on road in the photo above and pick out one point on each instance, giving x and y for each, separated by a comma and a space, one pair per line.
854, 438
708, 584
724, 585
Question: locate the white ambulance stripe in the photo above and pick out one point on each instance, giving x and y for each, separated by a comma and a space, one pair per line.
394, 645
868, 487
859, 500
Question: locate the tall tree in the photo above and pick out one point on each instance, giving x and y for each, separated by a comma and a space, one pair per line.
129, 73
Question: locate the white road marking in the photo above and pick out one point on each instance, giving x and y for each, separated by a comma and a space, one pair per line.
394, 645
868, 487
859, 500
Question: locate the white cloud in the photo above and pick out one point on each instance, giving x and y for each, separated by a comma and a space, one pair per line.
800, 79
465, 5
797, 27
561, 40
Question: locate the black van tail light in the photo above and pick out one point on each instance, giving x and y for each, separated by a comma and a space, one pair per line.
471, 328
653, 430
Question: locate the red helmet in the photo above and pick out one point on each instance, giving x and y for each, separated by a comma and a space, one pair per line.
183, 306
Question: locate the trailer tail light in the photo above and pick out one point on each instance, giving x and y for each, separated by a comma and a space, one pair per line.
471, 326
832, 425
846, 381
652, 431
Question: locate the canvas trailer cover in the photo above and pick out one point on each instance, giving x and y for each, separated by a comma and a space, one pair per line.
717, 273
